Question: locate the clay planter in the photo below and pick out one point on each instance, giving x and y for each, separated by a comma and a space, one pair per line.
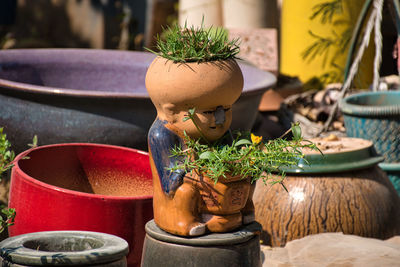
225, 200
342, 191
88, 187
66, 248
225, 195
180, 85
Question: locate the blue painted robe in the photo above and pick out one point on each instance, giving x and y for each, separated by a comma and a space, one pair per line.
161, 140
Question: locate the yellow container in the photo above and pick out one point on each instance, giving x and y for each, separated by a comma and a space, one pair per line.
299, 32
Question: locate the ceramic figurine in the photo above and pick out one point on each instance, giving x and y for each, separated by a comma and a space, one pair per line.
203, 182
189, 204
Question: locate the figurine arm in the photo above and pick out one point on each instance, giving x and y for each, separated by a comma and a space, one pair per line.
161, 141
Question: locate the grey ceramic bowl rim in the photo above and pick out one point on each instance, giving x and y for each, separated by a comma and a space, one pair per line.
114, 248
266, 83
349, 108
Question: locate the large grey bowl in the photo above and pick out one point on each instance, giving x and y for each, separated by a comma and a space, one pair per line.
97, 96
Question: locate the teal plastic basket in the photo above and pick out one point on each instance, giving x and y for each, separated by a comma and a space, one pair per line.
375, 116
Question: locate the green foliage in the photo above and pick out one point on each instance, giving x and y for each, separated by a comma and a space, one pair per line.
6, 158
7, 218
246, 156
6, 155
195, 44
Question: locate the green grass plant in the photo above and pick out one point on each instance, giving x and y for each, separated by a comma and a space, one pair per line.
183, 44
7, 156
247, 156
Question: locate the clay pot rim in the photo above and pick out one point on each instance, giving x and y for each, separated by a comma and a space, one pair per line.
265, 79
113, 248
223, 180
363, 144
34, 181
349, 105
49, 90
390, 166
332, 162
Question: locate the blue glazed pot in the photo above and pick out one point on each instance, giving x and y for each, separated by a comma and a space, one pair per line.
393, 172
375, 116
95, 96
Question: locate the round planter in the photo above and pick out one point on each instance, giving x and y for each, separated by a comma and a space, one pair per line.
343, 190
375, 116
64, 248
393, 172
237, 248
89, 187
87, 95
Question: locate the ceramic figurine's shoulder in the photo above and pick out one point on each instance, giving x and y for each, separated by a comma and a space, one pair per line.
158, 128
161, 141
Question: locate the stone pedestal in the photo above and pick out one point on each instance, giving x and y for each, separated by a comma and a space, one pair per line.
238, 248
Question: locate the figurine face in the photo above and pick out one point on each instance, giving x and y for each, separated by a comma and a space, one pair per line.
212, 121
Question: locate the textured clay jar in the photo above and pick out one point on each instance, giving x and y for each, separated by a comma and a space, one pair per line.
343, 190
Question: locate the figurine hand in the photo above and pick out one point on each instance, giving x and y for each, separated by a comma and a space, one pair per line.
174, 181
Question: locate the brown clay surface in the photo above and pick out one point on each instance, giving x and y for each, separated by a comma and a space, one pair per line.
113, 182
207, 87
333, 144
361, 202
65, 170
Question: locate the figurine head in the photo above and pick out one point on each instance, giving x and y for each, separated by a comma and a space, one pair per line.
210, 88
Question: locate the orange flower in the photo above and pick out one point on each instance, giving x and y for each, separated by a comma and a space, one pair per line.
255, 139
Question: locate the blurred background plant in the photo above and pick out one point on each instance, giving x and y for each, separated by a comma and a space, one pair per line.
329, 47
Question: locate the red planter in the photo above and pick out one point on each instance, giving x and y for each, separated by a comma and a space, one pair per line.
80, 186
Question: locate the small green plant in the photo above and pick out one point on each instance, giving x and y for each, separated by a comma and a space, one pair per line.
246, 156
183, 44
6, 158
6, 154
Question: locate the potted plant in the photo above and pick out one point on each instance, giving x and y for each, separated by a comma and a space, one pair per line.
202, 173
